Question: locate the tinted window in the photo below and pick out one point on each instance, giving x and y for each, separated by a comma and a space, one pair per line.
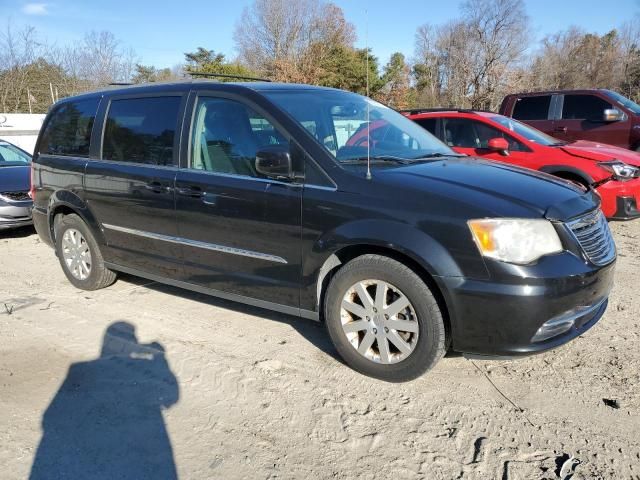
141, 130
581, 107
68, 131
466, 133
532, 108
428, 124
227, 135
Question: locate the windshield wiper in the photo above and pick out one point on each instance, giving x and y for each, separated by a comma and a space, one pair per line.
378, 158
437, 155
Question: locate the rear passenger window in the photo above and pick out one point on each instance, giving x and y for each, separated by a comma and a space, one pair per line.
532, 108
141, 130
428, 124
583, 107
68, 131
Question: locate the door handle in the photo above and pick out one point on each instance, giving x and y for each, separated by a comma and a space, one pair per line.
209, 199
560, 129
191, 191
157, 187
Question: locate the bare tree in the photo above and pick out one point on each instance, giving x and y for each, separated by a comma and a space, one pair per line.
467, 62
277, 36
498, 32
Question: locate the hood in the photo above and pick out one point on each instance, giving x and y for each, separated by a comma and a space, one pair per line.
15, 179
601, 152
497, 188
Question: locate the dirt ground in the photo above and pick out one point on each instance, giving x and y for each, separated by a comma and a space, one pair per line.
142, 380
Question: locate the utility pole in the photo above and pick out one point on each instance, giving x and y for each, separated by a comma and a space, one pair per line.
29, 100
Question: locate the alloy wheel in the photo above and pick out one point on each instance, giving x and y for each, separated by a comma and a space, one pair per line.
379, 321
76, 254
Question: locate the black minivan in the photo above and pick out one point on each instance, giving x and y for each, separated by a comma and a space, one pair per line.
326, 205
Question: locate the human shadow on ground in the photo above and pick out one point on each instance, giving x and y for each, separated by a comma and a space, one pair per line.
105, 421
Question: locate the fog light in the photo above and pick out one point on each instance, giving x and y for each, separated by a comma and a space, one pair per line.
558, 325
562, 323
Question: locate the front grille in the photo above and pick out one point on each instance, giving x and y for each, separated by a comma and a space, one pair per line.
593, 235
15, 196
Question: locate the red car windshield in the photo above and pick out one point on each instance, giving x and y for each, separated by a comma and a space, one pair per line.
526, 131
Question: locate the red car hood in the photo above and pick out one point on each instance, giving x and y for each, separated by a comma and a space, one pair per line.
601, 152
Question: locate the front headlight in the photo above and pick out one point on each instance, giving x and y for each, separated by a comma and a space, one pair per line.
515, 240
621, 170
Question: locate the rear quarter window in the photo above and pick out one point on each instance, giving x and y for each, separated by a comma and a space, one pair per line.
532, 108
68, 131
141, 130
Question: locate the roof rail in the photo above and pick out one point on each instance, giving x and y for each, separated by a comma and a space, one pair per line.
415, 111
226, 75
120, 84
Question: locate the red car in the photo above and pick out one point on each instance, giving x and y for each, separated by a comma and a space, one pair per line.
614, 172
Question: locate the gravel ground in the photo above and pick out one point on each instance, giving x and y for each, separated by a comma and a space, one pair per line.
142, 380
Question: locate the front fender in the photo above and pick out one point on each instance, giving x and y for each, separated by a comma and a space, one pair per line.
403, 238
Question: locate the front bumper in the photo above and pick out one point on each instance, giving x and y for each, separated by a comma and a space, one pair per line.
491, 318
620, 200
15, 215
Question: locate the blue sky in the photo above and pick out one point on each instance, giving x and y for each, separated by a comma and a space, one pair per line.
161, 32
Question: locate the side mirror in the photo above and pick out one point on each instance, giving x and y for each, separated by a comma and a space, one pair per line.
499, 145
274, 161
612, 115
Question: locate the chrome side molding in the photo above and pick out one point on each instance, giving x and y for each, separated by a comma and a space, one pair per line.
195, 243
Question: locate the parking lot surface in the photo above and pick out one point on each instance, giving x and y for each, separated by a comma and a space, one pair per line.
142, 380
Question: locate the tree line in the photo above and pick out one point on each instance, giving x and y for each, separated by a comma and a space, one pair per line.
471, 61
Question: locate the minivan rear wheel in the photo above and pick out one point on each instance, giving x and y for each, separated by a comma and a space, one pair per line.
79, 254
383, 319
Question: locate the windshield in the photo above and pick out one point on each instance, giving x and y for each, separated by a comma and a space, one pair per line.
624, 101
526, 131
11, 156
338, 121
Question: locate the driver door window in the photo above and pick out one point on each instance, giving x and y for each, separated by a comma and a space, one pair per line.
584, 107
227, 135
464, 133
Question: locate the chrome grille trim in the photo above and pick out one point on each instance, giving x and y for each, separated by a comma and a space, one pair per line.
592, 232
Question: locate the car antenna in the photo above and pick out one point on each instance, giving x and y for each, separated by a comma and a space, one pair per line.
366, 48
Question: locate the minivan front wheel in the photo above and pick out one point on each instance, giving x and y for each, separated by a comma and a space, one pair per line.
79, 254
383, 319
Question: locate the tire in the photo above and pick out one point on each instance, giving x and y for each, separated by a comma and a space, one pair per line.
90, 273
424, 343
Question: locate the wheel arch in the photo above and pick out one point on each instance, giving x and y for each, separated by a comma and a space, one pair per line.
349, 252
65, 203
568, 172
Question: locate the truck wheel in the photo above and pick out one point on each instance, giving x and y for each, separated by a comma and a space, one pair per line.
383, 320
80, 256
